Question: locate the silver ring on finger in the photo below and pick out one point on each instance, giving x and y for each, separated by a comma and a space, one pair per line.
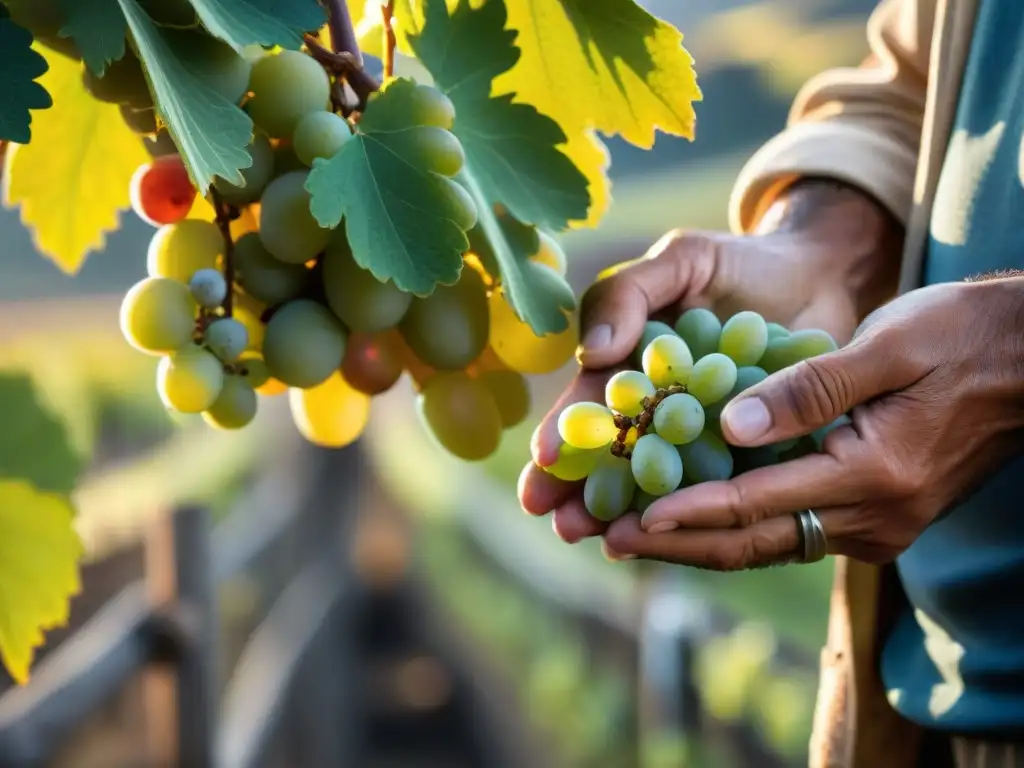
813, 542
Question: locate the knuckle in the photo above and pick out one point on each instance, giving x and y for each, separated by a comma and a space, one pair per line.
742, 509
733, 555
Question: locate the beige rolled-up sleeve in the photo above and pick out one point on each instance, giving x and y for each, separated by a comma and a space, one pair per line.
861, 125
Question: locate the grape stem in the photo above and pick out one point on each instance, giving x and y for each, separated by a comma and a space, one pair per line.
642, 421
343, 33
225, 214
388, 15
343, 64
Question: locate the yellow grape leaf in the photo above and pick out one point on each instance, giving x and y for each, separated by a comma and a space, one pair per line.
39, 553
73, 179
603, 64
591, 157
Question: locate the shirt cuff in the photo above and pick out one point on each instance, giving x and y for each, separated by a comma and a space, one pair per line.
862, 154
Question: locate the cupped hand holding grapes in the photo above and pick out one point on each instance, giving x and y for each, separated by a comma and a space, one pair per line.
934, 385
825, 257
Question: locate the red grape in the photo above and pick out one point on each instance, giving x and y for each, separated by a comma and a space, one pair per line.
373, 362
161, 191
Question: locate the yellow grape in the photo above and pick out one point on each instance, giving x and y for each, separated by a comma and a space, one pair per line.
587, 425
234, 407
520, 348
254, 369
158, 315
332, 414
181, 249
460, 413
575, 463
189, 381
511, 394
550, 254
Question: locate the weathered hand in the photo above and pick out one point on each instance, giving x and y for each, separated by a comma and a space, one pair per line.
934, 384
825, 261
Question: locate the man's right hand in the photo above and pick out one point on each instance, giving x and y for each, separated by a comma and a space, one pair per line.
824, 257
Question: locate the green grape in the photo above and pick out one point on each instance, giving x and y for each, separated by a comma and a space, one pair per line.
141, 121
657, 465
263, 277
511, 394
798, 346
212, 62
776, 331
123, 82
701, 330
652, 330
303, 344
190, 380
363, 302
208, 288
226, 338
747, 459
706, 459
428, 106
440, 150
463, 208
448, 329
746, 377
254, 369
819, 435
181, 249
373, 362
642, 500
286, 87
287, 228
158, 316
744, 338
575, 463
625, 391
320, 134
460, 413
679, 418
587, 425
254, 178
712, 379
285, 159
234, 407
667, 361
608, 492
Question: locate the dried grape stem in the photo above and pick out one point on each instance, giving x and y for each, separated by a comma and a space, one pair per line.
641, 421
388, 15
225, 215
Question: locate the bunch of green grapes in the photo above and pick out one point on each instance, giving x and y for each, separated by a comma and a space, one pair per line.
247, 294
659, 429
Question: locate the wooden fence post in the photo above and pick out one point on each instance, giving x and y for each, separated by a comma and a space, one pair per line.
183, 704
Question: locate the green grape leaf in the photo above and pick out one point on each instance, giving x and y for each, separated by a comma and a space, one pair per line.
513, 155
34, 442
512, 148
605, 64
210, 132
98, 29
399, 216
260, 22
39, 554
19, 93
87, 145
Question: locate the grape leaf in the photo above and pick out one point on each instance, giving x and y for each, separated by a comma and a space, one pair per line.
34, 442
39, 553
513, 155
399, 217
72, 181
19, 93
606, 64
210, 132
260, 22
98, 29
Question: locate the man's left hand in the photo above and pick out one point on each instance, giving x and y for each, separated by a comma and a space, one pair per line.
934, 387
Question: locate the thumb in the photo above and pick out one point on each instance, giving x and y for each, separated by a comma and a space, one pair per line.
811, 394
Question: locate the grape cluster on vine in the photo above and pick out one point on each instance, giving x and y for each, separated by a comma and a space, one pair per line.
659, 429
263, 300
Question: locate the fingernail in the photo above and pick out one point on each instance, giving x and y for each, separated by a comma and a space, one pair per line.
748, 419
614, 556
663, 527
597, 338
